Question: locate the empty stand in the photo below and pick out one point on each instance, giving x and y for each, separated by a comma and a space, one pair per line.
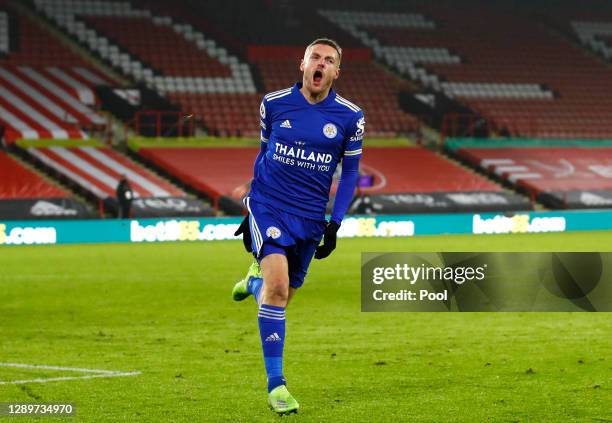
226, 169
171, 57
260, 22
590, 23
595, 35
97, 171
159, 45
26, 195
46, 90
547, 169
46, 103
223, 114
504, 65
18, 182
4, 33
399, 170
520, 74
33, 45
106, 29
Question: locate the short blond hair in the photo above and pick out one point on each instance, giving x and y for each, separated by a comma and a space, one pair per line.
327, 42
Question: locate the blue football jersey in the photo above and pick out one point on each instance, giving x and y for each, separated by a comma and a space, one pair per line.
305, 143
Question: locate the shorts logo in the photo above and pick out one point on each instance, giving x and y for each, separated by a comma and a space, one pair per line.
262, 110
330, 130
273, 232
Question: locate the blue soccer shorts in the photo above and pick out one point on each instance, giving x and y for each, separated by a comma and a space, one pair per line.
274, 231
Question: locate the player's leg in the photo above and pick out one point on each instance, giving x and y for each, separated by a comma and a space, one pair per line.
271, 317
290, 277
275, 270
270, 238
299, 262
252, 283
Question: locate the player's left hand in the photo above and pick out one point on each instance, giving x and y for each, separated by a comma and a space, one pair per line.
329, 240
245, 230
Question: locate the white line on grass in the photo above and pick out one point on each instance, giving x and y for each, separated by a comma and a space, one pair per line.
98, 373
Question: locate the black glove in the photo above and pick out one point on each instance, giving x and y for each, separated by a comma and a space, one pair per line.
245, 230
329, 240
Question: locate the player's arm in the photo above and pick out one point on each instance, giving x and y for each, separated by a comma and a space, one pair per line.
266, 130
346, 186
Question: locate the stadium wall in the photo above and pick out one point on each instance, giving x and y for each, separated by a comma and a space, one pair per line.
211, 229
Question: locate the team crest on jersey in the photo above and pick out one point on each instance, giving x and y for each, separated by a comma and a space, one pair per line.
273, 232
262, 110
330, 130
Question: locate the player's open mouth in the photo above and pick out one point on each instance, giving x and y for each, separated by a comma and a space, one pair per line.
317, 77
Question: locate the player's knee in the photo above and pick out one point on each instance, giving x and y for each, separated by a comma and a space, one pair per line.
278, 297
277, 288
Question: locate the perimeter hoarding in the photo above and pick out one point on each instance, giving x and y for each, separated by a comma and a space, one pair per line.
211, 229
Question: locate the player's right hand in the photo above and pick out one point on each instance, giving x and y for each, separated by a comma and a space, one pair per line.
245, 230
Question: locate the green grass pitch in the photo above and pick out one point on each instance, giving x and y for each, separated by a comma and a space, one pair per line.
165, 310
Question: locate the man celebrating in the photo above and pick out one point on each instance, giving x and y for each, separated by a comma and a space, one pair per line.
306, 131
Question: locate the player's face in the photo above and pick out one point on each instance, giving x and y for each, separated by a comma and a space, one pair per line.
321, 66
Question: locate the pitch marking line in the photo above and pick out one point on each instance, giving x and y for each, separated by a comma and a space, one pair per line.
94, 373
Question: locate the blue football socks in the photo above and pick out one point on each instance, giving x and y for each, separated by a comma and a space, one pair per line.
272, 331
254, 286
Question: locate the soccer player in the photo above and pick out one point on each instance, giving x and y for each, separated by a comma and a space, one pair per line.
306, 131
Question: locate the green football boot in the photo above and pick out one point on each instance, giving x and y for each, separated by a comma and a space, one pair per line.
240, 291
281, 401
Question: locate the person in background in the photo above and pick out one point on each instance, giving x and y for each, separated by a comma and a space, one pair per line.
125, 195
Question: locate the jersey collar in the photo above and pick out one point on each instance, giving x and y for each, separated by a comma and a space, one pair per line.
330, 96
